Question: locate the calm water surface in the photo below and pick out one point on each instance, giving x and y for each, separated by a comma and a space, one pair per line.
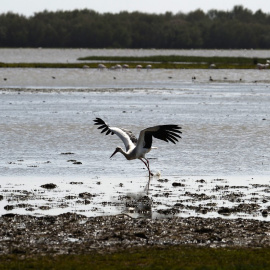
71, 55
225, 130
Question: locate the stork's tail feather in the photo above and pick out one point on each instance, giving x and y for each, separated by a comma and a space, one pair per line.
102, 125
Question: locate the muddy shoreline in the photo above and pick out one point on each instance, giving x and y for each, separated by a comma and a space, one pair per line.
77, 234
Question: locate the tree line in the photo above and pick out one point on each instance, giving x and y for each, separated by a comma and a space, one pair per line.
236, 29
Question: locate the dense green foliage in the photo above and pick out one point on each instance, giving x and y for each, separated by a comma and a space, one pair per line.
151, 258
239, 28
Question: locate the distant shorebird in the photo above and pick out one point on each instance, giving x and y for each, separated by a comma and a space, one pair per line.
101, 66
137, 148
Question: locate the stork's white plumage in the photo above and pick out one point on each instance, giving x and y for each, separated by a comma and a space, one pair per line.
136, 149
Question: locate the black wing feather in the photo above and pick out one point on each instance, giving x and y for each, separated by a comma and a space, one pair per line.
106, 128
102, 125
168, 133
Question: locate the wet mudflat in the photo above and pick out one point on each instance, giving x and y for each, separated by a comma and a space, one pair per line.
54, 219
60, 193
174, 197
76, 234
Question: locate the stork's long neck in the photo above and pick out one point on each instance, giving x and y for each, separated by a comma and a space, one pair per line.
130, 154
124, 153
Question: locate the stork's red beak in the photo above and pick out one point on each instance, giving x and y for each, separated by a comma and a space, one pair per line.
116, 150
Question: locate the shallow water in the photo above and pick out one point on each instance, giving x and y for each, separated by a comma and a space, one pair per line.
225, 129
40, 55
184, 196
159, 79
47, 135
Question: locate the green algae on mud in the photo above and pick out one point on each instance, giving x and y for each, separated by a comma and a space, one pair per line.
131, 65
176, 257
176, 59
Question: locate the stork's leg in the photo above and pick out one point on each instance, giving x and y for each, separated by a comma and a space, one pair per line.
146, 163
146, 189
148, 166
150, 174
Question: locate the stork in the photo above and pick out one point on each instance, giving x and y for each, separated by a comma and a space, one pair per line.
138, 148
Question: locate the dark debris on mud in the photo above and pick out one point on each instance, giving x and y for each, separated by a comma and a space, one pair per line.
76, 234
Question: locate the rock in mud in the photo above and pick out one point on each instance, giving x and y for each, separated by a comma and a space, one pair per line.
175, 184
49, 186
86, 195
264, 213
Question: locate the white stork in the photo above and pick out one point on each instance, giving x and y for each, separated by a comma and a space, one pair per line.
137, 148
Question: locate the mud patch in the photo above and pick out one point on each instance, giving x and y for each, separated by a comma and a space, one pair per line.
49, 186
77, 234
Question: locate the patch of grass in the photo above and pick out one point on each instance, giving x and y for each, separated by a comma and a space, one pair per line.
178, 59
150, 258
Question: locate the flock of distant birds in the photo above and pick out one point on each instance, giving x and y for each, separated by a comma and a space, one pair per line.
148, 67
118, 67
259, 66
139, 67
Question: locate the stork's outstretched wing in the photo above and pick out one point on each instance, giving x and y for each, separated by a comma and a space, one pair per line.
126, 136
167, 133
